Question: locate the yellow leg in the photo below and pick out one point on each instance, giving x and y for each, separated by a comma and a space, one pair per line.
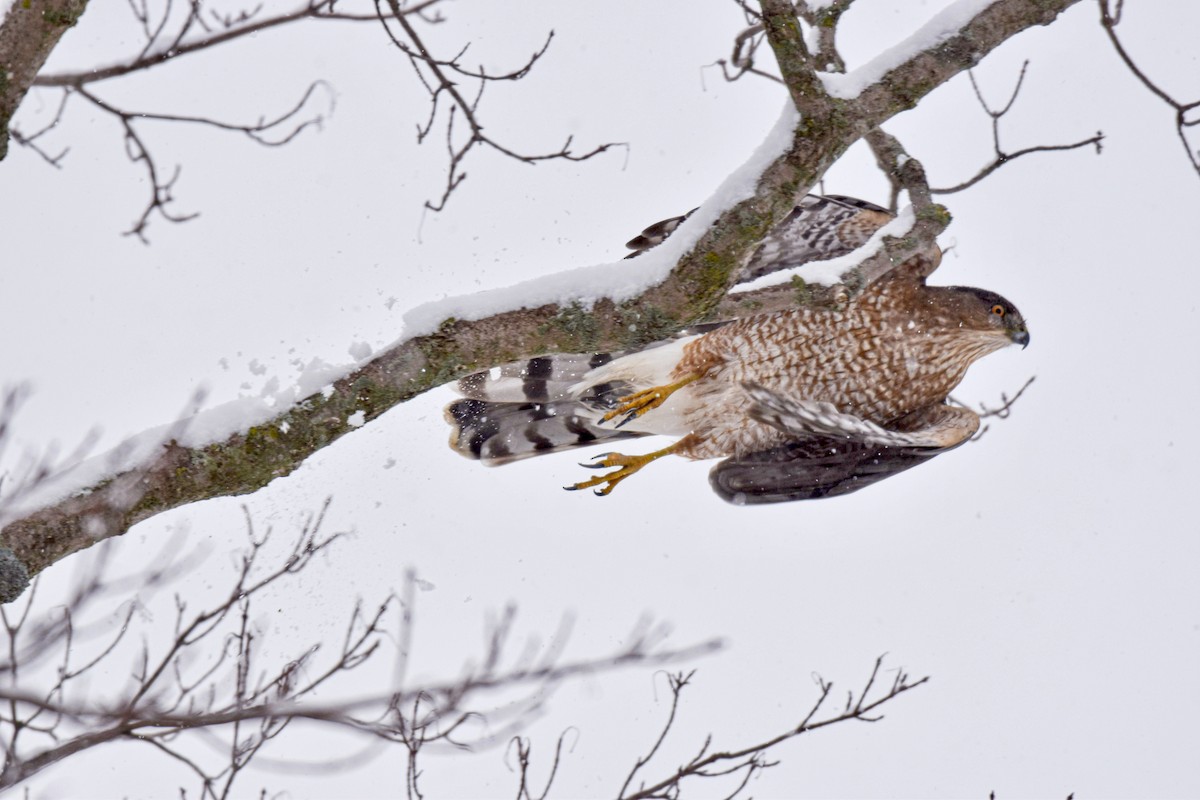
627, 465
634, 405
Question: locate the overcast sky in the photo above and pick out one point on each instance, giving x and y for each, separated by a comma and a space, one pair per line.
1045, 576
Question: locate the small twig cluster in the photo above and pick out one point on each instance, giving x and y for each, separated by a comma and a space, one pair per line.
1110, 18
191, 26
1001, 157
739, 764
273, 132
29, 469
210, 682
1000, 412
174, 30
31, 140
823, 23
746, 44
207, 676
748, 41
442, 79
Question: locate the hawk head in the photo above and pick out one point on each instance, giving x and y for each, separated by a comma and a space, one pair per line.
986, 313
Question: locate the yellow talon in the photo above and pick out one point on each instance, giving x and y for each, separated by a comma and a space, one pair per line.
627, 465
634, 405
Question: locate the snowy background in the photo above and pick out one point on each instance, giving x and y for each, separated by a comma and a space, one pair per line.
1045, 577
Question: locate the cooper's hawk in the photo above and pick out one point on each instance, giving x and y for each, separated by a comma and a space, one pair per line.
801, 403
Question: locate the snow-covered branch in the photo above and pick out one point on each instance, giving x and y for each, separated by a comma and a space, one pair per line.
642, 300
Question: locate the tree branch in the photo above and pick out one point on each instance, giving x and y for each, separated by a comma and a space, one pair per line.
442, 81
153, 56
1001, 157
282, 129
693, 291
741, 762
209, 675
1109, 20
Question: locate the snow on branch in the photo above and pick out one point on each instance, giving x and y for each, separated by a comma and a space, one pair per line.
946, 25
645, 300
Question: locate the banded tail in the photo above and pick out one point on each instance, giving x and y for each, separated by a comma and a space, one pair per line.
528, 408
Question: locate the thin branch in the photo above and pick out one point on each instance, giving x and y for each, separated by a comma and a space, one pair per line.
751, 758
173, 35
1109, 20
28, 34
745, 50
904, 172
742, 762
1001, 412
439, 77
676, 681
208, 680
1005, 158
161, 196
1001, 157
321, 10
1006, 403
30, 141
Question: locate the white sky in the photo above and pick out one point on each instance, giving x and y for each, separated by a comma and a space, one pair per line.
1044, 577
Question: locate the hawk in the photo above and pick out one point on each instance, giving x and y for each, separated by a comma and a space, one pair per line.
801, 403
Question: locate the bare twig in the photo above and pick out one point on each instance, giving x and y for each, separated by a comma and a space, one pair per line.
30, 141
1109, 20
31, 468
1006, 402
1000, 412
746, 44
524, 748
440, 78
741, 763
268, 132
169, 35
209, 679
1001, 157
752, 758
741, 61
161, 46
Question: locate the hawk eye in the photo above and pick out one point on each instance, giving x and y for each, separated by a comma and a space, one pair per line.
998, 310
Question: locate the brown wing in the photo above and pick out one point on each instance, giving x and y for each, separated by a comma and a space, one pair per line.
935, 426
834, 453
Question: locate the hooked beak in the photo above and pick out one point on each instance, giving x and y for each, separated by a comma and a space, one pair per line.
1020, 337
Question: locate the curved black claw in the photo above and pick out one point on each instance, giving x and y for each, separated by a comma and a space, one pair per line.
596, 458
630, 417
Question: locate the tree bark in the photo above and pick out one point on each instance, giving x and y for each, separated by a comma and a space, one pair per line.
27, 36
